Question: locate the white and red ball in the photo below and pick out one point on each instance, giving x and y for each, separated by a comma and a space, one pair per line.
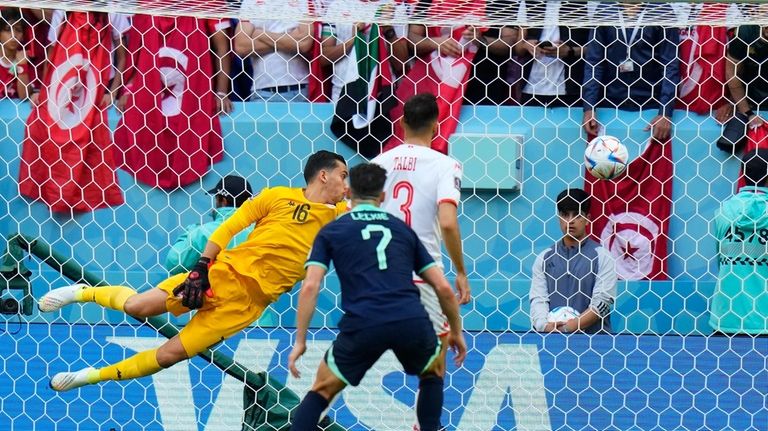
606, 157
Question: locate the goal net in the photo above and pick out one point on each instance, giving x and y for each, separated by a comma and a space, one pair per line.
123, 124
573, 12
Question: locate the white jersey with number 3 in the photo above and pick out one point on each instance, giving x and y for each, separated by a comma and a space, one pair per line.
419, 179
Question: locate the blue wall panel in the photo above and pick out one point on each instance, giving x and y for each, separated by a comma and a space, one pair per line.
623, 382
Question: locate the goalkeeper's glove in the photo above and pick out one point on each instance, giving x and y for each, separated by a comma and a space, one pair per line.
196, 286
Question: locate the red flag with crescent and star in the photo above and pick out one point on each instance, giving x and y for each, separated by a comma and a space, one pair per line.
170, 133
67, 159
630, 214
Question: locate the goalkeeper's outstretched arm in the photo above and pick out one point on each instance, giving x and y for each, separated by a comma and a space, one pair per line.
250, 212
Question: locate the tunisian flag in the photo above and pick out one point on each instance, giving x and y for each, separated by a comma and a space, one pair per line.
67, 160
630, 214
445, 77
170, 133
702, 68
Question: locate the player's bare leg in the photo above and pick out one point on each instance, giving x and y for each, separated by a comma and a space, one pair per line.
327, 385
146, 304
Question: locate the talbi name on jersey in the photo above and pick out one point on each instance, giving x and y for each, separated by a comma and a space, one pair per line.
405, 163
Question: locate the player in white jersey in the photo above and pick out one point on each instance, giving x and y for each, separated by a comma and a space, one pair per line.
423, 188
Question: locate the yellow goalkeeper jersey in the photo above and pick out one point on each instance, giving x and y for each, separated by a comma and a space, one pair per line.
276, 249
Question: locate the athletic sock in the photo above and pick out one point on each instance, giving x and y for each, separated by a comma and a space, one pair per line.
308, 413
429, 405
139, 365
113, 297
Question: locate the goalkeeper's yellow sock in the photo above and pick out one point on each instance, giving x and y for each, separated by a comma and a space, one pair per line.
113, 297
139, 365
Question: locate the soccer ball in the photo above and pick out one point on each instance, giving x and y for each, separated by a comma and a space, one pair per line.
605, 157
562, 314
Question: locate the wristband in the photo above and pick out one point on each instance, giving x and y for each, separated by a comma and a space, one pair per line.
601, 307
750, 113
221, 94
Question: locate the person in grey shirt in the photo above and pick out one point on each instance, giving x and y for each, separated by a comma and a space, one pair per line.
576, 272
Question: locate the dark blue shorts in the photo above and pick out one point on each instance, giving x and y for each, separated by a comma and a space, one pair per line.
413, 342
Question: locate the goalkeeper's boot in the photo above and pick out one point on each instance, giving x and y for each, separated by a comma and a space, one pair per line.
58, 298
67, 381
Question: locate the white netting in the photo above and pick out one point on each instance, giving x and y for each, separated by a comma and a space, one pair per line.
114, 126
575, 12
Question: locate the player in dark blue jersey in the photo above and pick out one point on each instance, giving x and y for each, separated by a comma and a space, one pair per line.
375, 255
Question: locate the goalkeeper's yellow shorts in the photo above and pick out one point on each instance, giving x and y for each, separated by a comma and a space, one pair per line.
236, 303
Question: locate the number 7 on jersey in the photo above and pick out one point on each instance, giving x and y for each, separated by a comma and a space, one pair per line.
386, 236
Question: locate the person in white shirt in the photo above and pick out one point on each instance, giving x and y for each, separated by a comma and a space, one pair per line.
553, 69
423, 188
278, 52
338, 48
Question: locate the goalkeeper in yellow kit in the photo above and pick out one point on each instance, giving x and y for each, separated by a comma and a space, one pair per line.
228, 288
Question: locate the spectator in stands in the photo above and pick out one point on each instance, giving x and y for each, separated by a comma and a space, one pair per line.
241, 72
496, 74
14, 69
365, 60
632, 66
553, 70
229, 194
492, 64
36, 45
492, 49
576, 272
740, 302
279, 52
339, 52
747, 72
445, 64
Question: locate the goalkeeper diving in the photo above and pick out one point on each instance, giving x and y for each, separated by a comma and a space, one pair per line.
229, 288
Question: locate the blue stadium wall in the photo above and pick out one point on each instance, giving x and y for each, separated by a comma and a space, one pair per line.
661, 373
509, 381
